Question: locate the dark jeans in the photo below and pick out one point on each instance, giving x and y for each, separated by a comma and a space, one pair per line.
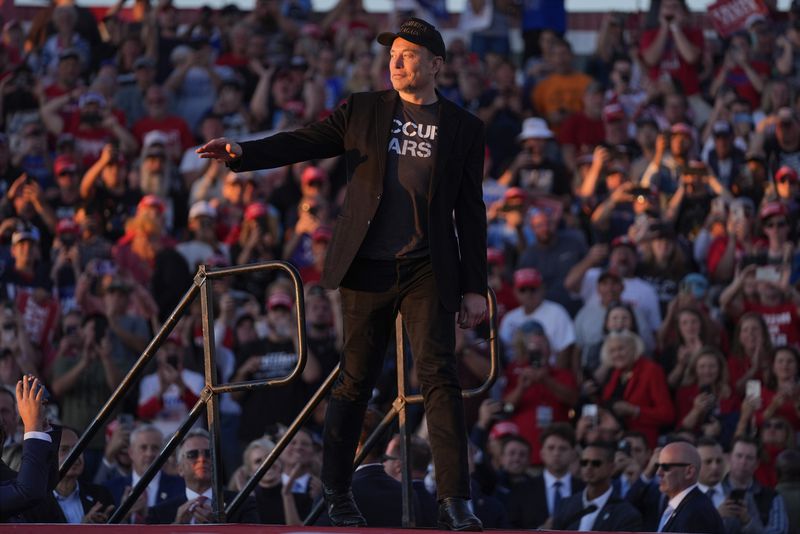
372, 294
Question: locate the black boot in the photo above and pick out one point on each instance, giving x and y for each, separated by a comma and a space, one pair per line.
454, 514
342, 509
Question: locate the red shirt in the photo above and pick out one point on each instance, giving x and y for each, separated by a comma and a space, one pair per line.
737, 79
582, 132
788, 410
174, 127
671, 62
537, 405
89, 141
684, 401
783, 324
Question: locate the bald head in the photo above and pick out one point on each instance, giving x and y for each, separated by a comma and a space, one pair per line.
679, 467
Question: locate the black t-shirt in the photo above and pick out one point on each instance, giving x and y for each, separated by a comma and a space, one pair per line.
547, 178
114, 209
400, 226
262, 407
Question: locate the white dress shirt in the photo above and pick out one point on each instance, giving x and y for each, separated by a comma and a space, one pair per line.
71, 505
587, 521
152, 488
38, 435
719, 493
191, 495
550, 488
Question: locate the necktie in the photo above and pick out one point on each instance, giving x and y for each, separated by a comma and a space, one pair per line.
557, 495
710, 492
664, 518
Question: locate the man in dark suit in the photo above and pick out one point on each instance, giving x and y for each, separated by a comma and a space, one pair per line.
419, 456
195, 505
550, 488
414, 164
688, 508
38, 473
598, 507
73, 501
145, 444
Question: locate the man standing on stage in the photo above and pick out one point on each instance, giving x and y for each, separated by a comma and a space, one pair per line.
411, 237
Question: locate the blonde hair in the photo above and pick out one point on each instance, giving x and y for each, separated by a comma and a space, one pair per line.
721, 384
624, 335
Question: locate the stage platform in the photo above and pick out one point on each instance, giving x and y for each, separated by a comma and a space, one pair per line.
218, 529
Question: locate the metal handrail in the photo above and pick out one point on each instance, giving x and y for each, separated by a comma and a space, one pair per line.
399, 407
209, 396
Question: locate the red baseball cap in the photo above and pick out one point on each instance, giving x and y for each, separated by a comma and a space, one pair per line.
64, 163
67, 226
613, 112
527, 277
770, 209
495, 256
515, 193
256, 210
152, 201
503, 428
786, 174
279, 300
313, 174
681, 128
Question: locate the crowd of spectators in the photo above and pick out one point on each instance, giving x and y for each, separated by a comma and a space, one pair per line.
644, 212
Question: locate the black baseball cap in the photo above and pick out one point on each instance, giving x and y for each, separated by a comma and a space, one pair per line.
418, 32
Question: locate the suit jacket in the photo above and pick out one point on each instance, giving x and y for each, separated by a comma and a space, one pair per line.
169, 486
164, 513
618, 515
522, 512
489, 509
696, 513
50, 512
648, 499
360, 131
379, 498
428, 507
37, 476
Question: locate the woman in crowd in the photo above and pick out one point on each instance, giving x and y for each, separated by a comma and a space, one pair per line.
636, 390
619, 316
705, 403
781, 396
693, 333
749, 358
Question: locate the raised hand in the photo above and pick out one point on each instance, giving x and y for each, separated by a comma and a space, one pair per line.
221, 148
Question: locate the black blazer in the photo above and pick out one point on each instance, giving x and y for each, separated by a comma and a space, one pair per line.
696, 513
164, 513
50, 512
169, 486
522, 513
360, 130
38, 475
618, 515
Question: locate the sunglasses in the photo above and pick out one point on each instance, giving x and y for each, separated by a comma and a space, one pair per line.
527, 289
667, 466
194, 454
773, 425
784, 179
777, 224
594, 463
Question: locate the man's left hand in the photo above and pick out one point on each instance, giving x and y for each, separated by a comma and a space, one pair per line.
473, 310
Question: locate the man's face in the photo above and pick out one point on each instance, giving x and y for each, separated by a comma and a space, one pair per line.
412, 67
744, 461
712, 465
515, 457
8, 415
596, 467
194, 465
543, 228
674, 475
143, 450
610, 289
639, 450
622, 261
556, 454
68, 441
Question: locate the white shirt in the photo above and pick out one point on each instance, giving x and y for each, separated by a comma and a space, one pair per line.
38, 435
152, 488
719, 493
301, 483
639, 293
550, 488
71, 505
677, 500
587, 521
554, 318
191, 495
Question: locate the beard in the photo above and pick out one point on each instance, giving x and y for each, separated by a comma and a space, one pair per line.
153, 182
